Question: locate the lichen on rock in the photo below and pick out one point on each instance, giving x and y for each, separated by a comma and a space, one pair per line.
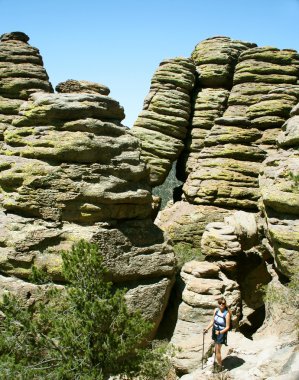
162, 124
69, 170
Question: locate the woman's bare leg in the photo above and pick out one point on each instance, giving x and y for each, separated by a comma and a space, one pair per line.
218, 353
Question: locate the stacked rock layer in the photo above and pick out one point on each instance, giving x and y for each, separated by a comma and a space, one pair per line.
203, 283
21, 73
69, 170
279, 183
224, 172
215, 60
240, 154
242, 97
162, 125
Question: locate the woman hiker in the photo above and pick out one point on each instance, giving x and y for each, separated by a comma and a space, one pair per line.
221, 323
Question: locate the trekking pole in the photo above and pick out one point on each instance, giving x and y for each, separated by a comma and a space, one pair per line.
203, 348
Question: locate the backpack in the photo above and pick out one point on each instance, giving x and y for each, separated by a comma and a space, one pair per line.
224, 317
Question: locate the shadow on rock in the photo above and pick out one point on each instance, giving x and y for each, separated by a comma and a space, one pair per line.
231, 362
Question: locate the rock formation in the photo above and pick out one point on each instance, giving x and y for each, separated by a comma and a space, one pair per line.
279, 184
225, 170
69, 171
162, 125
240, 154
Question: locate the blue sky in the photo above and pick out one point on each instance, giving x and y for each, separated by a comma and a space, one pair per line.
121, 43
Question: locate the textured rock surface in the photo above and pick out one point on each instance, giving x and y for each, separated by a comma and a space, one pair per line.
271, 354
21, 73
79, 86
204, 284
215, 59
162, 124
233, 269
240, 153
279, 183
21, 67
209, 104
268, 357
66, 157
185, 222
69, 170
224, 172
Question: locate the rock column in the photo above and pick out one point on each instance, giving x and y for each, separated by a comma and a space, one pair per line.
279, 183
225, 172
21, 73
70, 170
162, 125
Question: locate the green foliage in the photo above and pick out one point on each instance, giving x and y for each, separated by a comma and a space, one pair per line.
152, 367
39, 276
286, 295
165, 191
184, 252
220, 376
295, 179
82, 331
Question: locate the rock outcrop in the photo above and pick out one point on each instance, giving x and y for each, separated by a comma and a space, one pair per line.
215, 60
279, 184
69, 171
162, 124
82, 86
240, 154
204, 283
21, 69
21, 73
224, 172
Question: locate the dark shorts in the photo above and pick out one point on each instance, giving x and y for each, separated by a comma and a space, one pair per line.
220, 338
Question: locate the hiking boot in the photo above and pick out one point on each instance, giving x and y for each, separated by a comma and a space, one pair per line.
218, 368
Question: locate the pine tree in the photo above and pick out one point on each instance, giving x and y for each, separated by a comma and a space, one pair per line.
81, 331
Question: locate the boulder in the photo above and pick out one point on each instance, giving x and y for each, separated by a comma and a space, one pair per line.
21, 67
289, 136
82, 86
215, 59
185, 222
245, 226
220, 240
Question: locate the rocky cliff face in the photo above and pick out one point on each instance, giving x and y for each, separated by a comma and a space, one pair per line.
279, 184
162, 125
239, 204
70, 170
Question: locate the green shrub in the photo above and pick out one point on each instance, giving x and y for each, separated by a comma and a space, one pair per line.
165, 191
39, 276
285, 295
295, 185
82, 331
185, 252
286, 298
